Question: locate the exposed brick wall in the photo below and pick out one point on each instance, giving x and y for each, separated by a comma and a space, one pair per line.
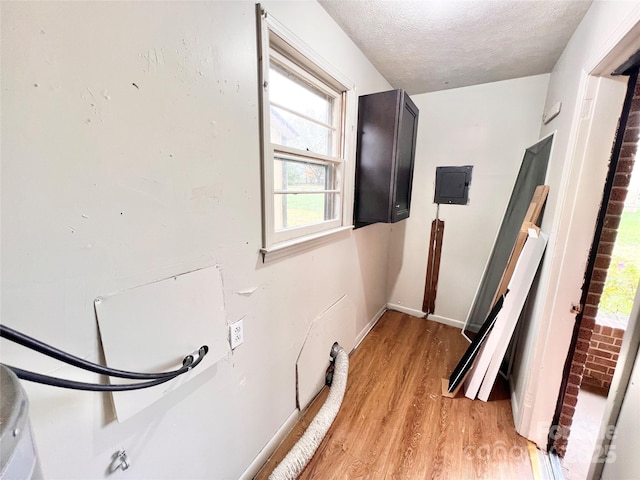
602, 356
588, 341
574, 382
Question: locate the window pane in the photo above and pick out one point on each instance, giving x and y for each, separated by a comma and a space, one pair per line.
298, 175
301, 208
290, 130
296, 210
287, 89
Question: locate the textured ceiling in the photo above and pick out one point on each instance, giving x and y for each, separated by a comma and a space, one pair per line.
429, 45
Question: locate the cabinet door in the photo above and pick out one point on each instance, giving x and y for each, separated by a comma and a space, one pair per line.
404, 160
387, 124
377, 121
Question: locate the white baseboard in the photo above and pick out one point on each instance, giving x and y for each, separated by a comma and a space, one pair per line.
407, 310
368, 327
446, 321
421, 314
271, 446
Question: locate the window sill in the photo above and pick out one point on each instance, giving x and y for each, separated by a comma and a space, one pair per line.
295, 246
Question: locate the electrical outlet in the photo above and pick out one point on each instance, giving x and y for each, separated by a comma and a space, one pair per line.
236, 334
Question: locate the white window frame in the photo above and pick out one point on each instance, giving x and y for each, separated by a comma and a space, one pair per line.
278, 44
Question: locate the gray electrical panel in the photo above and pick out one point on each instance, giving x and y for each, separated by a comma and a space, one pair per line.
452, 185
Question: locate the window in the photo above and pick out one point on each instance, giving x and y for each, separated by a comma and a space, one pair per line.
306, 108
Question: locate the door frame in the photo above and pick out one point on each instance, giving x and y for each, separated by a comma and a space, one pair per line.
534, 407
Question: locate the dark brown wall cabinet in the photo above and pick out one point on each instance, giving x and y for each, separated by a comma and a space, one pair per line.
387, 126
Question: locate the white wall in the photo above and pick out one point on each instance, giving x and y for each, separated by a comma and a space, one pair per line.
488, 126
576, 176
107, 186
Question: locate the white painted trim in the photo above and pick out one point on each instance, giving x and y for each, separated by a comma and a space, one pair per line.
420, 314
271, 446
266, 155
531, 415
618, 48
452, 322
367, 328
293, 234
273, 35
533, 412
515, 403
308, 54
297, 245
290, 153
409, 311
524, 418
350, 141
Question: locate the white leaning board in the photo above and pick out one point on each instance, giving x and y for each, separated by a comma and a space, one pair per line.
485, 370
153, 327
521, 292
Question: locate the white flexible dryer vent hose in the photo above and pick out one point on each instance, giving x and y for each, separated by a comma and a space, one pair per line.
298, 457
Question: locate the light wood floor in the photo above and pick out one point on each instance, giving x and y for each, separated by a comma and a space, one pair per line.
395, 424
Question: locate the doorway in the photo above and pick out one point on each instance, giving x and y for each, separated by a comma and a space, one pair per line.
609, 287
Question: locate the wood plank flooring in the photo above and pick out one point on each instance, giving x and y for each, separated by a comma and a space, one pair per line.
394, 423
